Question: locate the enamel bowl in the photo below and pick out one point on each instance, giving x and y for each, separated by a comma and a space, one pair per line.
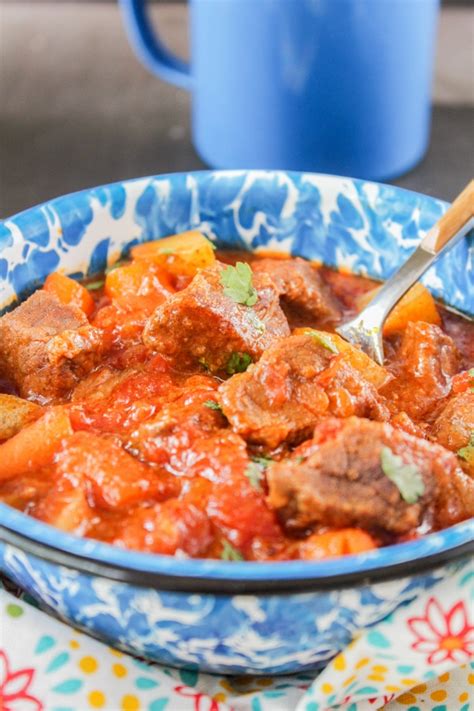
226, 617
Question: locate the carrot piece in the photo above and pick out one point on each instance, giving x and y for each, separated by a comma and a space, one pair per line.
139, 285
372, 371
16, 413
416, 305
34, 446
70, 292
333, 544
181, 254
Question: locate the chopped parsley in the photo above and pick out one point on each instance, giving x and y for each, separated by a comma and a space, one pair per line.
238, 363
467, 452
212, 405
254, 473
324, 340
471, 375
237, 283
116, 265
257, 323
229, 552
263, 461
406, 477
204, 363
95, 285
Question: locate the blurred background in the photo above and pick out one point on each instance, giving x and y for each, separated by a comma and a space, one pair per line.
78, 109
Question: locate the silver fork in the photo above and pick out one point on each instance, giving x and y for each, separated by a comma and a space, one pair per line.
365, 330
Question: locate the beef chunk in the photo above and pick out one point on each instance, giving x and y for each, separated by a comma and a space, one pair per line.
295, 382
341, 481
426, 361
301, 288
46, 347
454, 426
202, 324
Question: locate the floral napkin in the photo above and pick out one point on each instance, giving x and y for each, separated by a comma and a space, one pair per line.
419, 658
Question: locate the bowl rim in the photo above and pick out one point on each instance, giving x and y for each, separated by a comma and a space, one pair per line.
216, 576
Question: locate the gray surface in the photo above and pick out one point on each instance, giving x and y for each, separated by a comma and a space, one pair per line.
77, 109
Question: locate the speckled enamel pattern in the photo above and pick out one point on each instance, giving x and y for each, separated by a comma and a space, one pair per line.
366, 227
362, 226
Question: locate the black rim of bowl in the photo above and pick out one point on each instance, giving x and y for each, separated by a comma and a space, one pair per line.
223, 586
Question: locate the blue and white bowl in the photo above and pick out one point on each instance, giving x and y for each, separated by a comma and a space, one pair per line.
226, 617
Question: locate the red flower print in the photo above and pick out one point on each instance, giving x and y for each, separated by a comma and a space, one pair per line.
443, 636
14, 686
202, 702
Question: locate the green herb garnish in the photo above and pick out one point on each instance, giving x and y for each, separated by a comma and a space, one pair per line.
254, 473
116, 265
95, 285
229, 552
406, 477
238, 363
257, 323
237, 283
471, 375
263, 461
467, 452
204, 363
212, 405
324, 341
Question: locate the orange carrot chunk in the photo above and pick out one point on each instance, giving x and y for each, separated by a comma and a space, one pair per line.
416, 305
35, 445
333, 544
70, 292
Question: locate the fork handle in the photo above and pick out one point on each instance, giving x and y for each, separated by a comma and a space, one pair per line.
450, 229
451, 222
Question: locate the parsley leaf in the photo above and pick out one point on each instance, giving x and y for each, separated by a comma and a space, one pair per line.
238, 363
254, 472
324, 340
204, 363
467, 452
237, 283
263, 461
95, 285
406, 477
212, 405
229, 552
116, 265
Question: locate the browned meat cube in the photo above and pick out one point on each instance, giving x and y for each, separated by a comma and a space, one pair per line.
301, 288
46, 347
202, 325
454, 426
278, 398
426, 361
341, 478
285, 394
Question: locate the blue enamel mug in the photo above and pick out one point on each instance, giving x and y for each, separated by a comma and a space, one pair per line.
335, 86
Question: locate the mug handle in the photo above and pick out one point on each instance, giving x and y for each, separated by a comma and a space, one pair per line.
149, 48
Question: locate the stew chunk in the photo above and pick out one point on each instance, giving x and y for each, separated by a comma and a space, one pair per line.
300, 287
46, 346
454, 427
294, 384
426, 361
347, 478
201, 324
